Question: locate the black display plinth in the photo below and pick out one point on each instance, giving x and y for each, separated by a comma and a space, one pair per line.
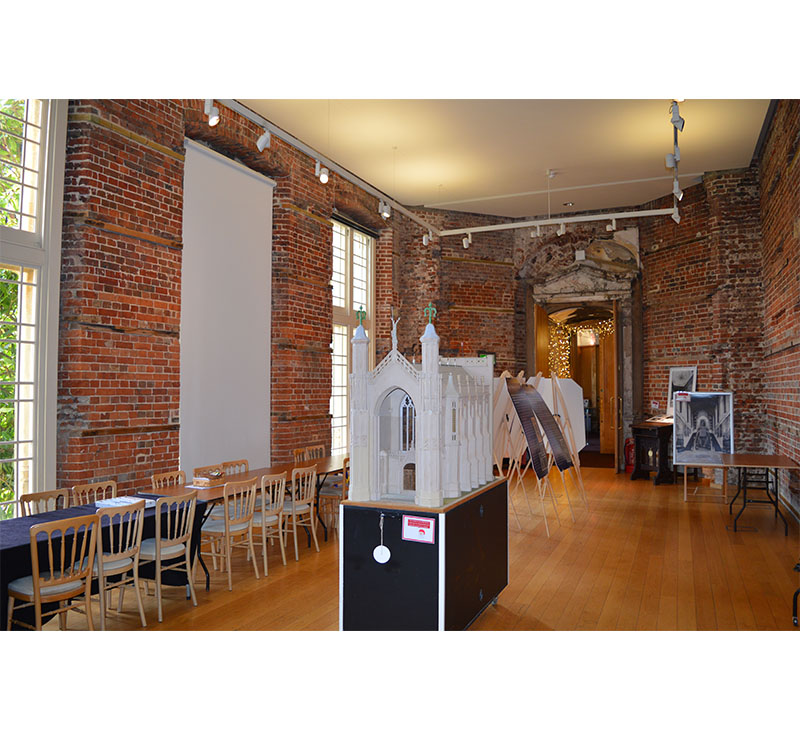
651, 441
442, 585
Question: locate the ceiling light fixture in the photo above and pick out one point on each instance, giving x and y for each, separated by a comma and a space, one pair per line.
562, 229
676, 216
263, 141
322, 173
426, 239
676, 190
612, 226
384, 209
674, 157
212, 113
467, 240
677, 120
568, 204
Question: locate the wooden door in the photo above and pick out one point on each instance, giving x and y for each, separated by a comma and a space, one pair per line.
617, 384
606, 395
541, 342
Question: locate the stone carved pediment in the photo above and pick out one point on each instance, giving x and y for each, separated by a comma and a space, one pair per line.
581, 279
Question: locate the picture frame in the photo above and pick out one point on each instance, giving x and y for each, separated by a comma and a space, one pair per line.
702, 428
682, 378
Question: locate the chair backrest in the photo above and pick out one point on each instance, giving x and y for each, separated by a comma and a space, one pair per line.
273, 494
299, 455
304, 483
169, 479
204, 471
240, 501
174, 519
317, 451
38, 502
232, 468
345, 477
90, 493
124, 534
69, 552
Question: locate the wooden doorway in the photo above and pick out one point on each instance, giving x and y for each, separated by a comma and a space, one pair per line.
609, 396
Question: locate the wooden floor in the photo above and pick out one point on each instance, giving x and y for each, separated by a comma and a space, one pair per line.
638, 558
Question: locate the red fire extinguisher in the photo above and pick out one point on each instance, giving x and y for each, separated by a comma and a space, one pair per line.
629, 455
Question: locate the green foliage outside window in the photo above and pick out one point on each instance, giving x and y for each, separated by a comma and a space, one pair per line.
8, 366
12, 128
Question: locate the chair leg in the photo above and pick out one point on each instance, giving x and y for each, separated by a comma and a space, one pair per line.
10, 612
158, 590
280, 542
62, 617
188, 576
294, 534
228, 561
88, 602
313, 520
253, 553
101, 591
138, 593
264, 548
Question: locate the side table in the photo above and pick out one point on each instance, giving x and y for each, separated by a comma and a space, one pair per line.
651, 440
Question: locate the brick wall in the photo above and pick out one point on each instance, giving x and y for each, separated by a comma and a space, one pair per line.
702, 296
780, 223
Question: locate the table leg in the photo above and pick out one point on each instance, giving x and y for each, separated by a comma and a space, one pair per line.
738, 489
775, 501
320, 520
203, 565
685, 487
743, 489
724, 485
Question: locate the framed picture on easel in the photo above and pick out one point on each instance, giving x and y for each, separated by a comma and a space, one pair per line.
682, 379
702, 428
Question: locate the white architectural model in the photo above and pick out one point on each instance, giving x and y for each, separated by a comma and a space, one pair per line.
419, 431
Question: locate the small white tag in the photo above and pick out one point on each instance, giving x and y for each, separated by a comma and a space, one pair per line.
381, 554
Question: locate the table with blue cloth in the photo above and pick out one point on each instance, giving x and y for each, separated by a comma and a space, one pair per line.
15, 552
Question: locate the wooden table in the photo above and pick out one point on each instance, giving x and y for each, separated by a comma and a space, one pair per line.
213, 493
767, 462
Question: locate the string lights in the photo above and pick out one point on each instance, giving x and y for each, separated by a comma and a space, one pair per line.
561, 342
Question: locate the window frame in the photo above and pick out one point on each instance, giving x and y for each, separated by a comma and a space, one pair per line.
346, 316
42, 251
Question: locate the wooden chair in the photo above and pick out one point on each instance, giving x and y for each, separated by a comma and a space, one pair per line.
174, 523
317, 451
65, 571
236, 527
299, 509
38, 502
299, 455
91, 493
235, 468
268, 516
118, 554
330, 497
168, 479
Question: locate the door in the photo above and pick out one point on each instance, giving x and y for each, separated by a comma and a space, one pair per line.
606, 395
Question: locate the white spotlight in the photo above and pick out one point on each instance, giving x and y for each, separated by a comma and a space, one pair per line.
677, 120
562, 229
384, 209
676, 190
212, 113
263, 141
426, 239
676, 216
467, 240
323, 175
670, 160
612, 226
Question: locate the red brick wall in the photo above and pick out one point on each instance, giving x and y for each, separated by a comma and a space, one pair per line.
702, 296
119, 358
780, 223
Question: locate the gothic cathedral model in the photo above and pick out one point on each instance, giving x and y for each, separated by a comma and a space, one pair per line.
419, 431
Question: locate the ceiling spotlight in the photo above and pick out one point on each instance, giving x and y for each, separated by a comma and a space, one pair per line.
384, 209
212, 113
670, 160
569, 204
676, 216
263, 141
677, 120
323, 175
612, 226
676, 190
467, 240
426, 239
562, 229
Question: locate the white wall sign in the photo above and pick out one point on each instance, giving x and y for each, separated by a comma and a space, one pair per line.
419, 529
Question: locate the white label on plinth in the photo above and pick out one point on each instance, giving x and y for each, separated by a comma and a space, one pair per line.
419, 529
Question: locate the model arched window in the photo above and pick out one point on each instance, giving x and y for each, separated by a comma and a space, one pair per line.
407, 424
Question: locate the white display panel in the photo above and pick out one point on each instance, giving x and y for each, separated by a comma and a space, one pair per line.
225, 312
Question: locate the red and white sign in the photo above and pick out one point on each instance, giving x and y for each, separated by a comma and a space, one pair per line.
419, 529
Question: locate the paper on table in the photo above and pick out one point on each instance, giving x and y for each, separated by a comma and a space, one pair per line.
122, 501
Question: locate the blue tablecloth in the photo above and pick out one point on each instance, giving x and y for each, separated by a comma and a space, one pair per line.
15, 552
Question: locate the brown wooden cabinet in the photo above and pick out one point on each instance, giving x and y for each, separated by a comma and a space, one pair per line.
651, 442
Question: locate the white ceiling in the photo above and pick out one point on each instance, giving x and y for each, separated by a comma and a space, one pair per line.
434, 152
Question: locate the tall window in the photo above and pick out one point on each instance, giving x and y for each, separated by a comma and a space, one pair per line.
352, 283
32, 148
